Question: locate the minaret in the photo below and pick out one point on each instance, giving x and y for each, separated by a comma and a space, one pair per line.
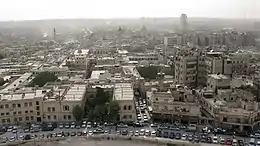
54, 34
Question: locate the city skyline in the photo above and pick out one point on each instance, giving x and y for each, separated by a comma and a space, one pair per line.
47, 9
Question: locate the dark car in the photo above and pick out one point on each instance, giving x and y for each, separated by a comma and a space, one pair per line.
172, 135
165, 134
197, 138
79, 133
209, 139
203, 138
241, 142
125, 132
27, 137
66, 134
158, 133
177, 136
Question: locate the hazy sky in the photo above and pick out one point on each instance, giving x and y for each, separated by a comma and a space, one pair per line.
49, 9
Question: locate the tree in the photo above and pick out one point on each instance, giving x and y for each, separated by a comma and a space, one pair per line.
148, 72
100, 112
113, 110
42, 78
78, 112
2, 81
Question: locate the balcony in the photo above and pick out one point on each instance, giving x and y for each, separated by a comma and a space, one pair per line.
174, 112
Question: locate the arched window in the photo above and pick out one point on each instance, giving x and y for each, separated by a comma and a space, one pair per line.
129, 107
124, 107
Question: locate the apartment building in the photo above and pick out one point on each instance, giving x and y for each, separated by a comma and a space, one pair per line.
78, 59
24, 107
41, 105
230, 109
149, 57
60, 101
186, 69
177, 104
218, 81
124, 95
240, 63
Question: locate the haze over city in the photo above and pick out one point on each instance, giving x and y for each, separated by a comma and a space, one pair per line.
126, 72
59, 9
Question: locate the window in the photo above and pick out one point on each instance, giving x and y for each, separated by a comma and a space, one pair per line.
15, 119
64, 117
130, 116
8, 120
1, 106
2, 114
25, 104
49, 117
37, 103
3, 120
18, 105
31, 111
7, 114
69, 117
224, 119
27, 118
124, 117
54, 117
66, 108
38, 113
129, 107
6, 106
19, 112
37, 108
124, 107
20, 118
26, 112
14, 113
32, 118
30, 103
53, 109
49, 109
14, 105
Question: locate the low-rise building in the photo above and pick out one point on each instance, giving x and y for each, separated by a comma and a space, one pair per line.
179, 104
124, 95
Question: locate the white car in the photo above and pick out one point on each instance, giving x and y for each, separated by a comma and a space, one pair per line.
215, 139
222, 141
147, 133
184, 137
136, 133
12, 138
153, 133
90, 133
21, 137
258, 143
142, 132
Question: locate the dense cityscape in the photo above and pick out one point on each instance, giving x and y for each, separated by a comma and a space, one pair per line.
179, 80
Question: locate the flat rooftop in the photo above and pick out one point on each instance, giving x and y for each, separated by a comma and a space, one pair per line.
218, 77
21, 96
123, 91
96, 73
17, 82
81, 52
75, 92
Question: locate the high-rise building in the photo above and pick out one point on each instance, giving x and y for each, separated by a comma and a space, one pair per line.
183, 23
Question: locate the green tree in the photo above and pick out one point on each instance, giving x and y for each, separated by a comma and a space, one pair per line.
113, 110
100, 112
2, 56
148, 72
2, 81
78, 112
42, 78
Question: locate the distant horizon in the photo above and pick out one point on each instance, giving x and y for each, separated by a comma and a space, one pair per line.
132, 18
22, 10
